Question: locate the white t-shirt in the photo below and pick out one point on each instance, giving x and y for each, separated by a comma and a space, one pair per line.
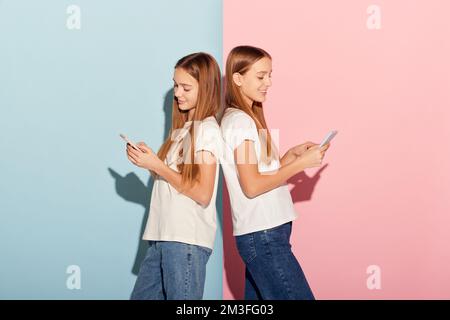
174, 216
268, 210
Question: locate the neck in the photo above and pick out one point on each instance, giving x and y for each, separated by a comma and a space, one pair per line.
191, 114
248, 101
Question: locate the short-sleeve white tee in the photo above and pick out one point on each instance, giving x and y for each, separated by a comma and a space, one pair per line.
268, 210
174, 216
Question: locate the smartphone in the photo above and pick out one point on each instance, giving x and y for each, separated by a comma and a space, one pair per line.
328, 138
128, 141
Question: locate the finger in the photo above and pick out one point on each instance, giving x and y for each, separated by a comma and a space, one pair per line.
142, 145
132, 156
131, 159
130, 149
144, 148
133, 151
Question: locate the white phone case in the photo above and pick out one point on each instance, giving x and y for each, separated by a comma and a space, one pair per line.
128, 141
328, 138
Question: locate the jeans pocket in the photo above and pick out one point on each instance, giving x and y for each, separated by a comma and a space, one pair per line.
280, 233
206, 250
246, 247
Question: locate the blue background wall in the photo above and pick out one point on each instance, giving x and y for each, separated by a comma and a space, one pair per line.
69, 196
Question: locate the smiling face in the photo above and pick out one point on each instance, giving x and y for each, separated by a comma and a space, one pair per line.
256, 81
185, 89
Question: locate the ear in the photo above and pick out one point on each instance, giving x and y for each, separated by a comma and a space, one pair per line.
237, 79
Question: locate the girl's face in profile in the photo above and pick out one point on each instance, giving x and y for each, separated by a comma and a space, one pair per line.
256, 81
185, 89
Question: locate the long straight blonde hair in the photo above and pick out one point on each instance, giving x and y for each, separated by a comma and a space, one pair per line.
240, 59
203, 68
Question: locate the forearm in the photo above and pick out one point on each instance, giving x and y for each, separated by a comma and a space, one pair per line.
196, 192
288, 157
260, 183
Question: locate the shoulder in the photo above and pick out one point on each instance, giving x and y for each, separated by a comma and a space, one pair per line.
235, 118
208, 136
207, 129
208, 125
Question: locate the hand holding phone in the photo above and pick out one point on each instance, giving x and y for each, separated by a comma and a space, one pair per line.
129, 142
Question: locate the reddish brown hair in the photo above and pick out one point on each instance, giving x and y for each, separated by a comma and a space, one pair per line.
204, 68
240, 59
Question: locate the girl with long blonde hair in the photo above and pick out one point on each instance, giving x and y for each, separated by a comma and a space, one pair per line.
261, 205
182, 220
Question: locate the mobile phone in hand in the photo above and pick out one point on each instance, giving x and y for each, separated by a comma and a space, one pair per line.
328, 137
124, 137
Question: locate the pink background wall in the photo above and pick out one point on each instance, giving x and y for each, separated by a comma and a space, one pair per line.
382, 196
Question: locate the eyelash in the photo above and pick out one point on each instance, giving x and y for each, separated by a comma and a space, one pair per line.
176, 86
270, 77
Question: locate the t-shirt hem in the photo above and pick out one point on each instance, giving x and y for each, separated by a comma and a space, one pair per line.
264, 227
178, 239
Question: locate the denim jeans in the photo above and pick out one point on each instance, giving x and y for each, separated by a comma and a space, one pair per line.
272, 271
172, 271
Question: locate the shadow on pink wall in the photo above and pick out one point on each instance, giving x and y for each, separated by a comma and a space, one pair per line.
302, 190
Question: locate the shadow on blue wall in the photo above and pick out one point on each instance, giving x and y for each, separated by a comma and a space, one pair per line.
132, 189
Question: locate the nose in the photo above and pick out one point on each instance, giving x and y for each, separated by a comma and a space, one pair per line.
268, 82
178, 92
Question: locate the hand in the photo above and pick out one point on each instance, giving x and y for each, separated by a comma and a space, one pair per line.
313, 156
325, 147
145, 158
300, 149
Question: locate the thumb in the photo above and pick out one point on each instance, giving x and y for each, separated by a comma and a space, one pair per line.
143, 146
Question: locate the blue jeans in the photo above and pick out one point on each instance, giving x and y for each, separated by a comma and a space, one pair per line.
272, 271
172, 271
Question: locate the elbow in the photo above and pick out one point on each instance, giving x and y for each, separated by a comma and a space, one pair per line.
249, 192
204, 200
